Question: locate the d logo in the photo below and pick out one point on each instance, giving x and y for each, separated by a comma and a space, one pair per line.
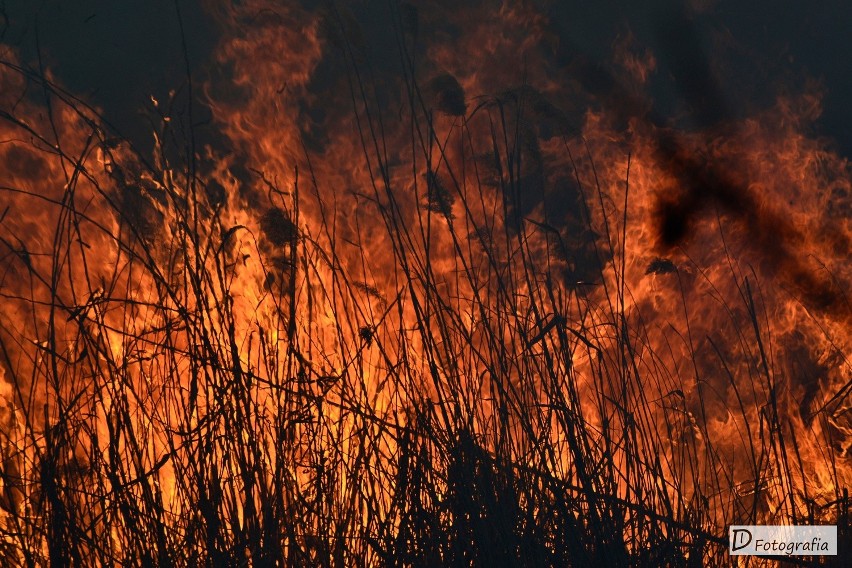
740, 538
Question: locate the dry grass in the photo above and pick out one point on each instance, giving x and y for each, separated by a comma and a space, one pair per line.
180, 396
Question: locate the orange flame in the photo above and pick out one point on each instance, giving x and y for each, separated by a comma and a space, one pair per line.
457, 247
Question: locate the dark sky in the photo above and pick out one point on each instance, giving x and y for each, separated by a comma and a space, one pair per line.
116, 54
119, 53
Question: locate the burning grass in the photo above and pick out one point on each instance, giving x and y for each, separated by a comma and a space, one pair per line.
430, 361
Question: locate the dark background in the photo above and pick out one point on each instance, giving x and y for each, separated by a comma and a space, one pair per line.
117, 54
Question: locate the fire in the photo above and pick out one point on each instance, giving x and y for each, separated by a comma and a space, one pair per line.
396, 299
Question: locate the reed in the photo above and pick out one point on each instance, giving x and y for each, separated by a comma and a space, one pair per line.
190, 386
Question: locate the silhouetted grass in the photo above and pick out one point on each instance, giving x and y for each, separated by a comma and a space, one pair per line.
192, 387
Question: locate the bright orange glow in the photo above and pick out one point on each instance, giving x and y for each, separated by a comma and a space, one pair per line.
377, 288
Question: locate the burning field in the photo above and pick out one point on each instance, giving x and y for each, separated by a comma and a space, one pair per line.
420, 284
